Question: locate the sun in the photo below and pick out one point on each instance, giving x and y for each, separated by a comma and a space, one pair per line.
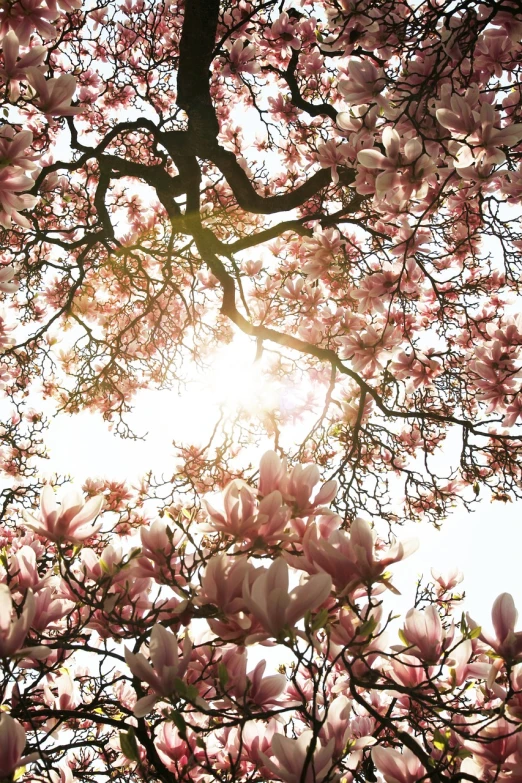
237, 380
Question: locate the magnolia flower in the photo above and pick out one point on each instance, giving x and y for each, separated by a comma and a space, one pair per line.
364, 83
292, 754
462, 669
13, 148
272, 470
278, 610
349, 559
330, 155
507, 641
72, 521
29, 16
282, 34
14, 67
13, 630
49, 608
398, 767
239, 515
460, 117
168, 667
339, 727
424, 631
257, 738
13, 200
513, 411
392, 184
6, 276
54, 95
494, 744
241, 59
447, 580
12, 744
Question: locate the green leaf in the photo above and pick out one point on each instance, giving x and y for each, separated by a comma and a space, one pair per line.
320, 620
222, 674
179, 722
475, 632
403, 638
187, 692
129, 746
368, 627
440, 740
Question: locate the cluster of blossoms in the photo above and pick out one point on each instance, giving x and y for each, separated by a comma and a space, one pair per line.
394, 145
176, 613
23, 75
131, 640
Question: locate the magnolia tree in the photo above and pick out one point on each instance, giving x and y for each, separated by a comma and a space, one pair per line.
341, 181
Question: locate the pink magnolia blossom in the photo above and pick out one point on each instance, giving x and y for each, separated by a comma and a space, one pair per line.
168, 665
350, 559
485, 138
331, 155
257, 739
507, 642
461, 668
423, 630
272, 518
456, 112
296, 486
13, 629
71, 521
24, 568
12, 744
407, 670
172, 747
448, 579
320, 251
49, 608
15, 67
66, 5
368, 349
66, 697
29, 16
241, 59
239, 516
13, 148
252, 686
292, 754
364, 83
278, 610
338, 727
398, 767
156, 541
494, 744
54, 95
373, 292
13, 200
417, 368
7, 285
282, 35
513, 412
403, 174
